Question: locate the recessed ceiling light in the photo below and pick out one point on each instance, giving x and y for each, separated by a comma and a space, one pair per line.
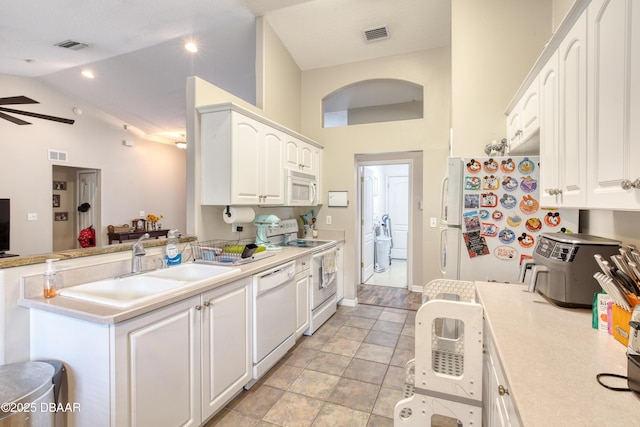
181, 144
191, 47
88, 74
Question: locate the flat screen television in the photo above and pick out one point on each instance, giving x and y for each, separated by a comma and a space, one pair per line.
5, 225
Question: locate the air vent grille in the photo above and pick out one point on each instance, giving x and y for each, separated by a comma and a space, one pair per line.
58, 156
376, 34
71, 44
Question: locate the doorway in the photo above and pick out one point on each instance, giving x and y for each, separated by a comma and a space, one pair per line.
76, 205
389, 204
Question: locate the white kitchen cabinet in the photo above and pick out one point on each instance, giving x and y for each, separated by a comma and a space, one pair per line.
498, 408
550, 194
174, 366
303, 298
241, 160
614, 104
226, 344
301, 156
523, 121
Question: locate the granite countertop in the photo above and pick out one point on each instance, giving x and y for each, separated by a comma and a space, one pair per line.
104, 314
551, 356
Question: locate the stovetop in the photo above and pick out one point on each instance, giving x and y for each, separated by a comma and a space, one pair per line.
308, 243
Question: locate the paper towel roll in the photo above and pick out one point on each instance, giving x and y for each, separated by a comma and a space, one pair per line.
238, 215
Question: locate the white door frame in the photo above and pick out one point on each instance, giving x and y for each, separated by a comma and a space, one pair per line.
414, 244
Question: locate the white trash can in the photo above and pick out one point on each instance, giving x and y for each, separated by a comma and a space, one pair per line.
382, 253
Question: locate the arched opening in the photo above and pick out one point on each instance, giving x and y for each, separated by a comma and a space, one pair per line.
373, 101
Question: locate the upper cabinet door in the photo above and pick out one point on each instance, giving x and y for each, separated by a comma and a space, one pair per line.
614, 109
572, 124
550, 194
245, 160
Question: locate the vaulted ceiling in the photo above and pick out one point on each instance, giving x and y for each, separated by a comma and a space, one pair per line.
135, 48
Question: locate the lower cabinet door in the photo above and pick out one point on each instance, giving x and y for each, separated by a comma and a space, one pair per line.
226, 344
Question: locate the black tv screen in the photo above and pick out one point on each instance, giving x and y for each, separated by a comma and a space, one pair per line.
5, 213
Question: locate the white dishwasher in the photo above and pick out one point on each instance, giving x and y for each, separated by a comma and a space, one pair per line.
274, 317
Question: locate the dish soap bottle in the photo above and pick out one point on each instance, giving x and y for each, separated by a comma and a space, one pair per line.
172, 253
50, 279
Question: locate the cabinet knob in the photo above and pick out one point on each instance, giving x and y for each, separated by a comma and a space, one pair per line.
206, 303
636, 183
502, 391
198, 307
626, 184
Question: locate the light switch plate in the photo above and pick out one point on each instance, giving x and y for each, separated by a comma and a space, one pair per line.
32, 217
434, 222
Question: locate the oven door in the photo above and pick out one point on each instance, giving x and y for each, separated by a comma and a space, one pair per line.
320, 291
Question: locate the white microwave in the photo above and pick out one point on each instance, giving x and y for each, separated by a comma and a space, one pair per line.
302, 189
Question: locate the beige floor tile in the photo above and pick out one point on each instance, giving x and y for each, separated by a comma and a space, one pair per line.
378, 421
293, 410
360, 322
257, 401
314, 341
301, 356
327, 330
393, 316
409, 330
367, 311
386, 402
374, 353
365, 370
386, 326
341, 346
329, 363
227, 418
314, 384
355, 394
282, 376
401, 357
339, 416
339, 318
351, 333
395, 377
406, 342
381, 338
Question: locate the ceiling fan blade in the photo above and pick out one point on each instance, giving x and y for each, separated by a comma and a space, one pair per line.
14, 119
17, 100
38, 116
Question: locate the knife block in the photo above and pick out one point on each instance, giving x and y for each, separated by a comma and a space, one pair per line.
620, 323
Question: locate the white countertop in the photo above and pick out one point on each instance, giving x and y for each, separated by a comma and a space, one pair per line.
104, 314
551, 356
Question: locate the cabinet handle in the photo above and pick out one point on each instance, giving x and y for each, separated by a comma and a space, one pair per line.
198, 307
206, 303
502, 391
626, 184
636, 183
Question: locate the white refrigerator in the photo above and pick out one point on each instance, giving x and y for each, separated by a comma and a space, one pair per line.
491, 217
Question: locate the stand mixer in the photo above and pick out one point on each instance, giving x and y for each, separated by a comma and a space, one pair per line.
263, 223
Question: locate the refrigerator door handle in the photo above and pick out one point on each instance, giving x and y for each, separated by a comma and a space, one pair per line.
443, 200
443, 251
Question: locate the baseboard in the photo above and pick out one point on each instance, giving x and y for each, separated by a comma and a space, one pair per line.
348, 302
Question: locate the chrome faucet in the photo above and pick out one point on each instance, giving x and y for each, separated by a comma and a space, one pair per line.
137, 252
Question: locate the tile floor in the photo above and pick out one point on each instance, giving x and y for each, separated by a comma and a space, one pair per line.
349, 373
395, 276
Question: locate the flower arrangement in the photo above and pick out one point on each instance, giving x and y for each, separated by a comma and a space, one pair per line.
154, 218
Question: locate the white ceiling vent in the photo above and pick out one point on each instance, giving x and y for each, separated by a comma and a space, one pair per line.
376, 34
71, 44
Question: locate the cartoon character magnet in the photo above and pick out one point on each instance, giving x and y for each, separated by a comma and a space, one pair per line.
489, 230
533, 224
507, 165
528, 184
508, 201
529, 205
513, 219
471, 183
490, 182
490, 166
526, 166
526, 240
506, 236
496, 215
552, 219
488, 200
510, 183
474, 166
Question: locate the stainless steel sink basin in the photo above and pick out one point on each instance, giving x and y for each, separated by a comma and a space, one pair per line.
134, 290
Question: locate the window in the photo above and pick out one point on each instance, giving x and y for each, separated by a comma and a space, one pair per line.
373, 101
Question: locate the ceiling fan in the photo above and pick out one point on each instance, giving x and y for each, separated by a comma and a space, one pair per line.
15, 100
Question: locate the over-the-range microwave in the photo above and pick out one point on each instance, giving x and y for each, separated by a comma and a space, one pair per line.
301, 190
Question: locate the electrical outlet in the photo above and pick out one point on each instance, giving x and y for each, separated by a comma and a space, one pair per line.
434, 222
32, 217
328, 219
142, 214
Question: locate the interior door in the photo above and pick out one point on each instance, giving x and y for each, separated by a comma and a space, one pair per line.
398, 208
87, 193
367, 232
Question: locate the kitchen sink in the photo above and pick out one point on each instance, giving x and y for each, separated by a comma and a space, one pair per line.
133, 290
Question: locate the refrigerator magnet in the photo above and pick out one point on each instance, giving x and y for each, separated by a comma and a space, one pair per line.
513, 219
526, 166
490, 182
476, 244
528, 184
533, 224
488, 200
506, 236
474, 166
529, 205
507, 165
552, 219
471, 201
490, 166
471, 183
526, 240
489, 229
505, 253
508, 201
509, 183
484, 214
471, 221
496, 215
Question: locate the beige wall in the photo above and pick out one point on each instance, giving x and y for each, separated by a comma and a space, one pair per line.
494, 43
430, 69
149, 176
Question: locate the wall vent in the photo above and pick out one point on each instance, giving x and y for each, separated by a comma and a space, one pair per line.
376, 34
58, 156
71, 44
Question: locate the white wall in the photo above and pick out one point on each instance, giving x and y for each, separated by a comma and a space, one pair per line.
149, 176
